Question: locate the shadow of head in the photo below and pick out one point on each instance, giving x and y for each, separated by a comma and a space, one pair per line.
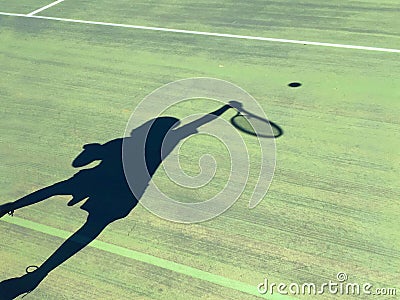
151, 132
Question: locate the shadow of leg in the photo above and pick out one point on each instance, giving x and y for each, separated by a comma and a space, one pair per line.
11, 288
80, 239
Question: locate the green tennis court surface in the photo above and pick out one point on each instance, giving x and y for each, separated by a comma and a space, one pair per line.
333, 205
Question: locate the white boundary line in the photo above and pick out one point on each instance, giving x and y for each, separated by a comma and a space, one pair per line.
225, 35
44, 7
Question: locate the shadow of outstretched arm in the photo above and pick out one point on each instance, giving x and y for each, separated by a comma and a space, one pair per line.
192, 126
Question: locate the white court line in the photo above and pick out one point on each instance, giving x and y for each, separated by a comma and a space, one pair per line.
45, 7
225, 35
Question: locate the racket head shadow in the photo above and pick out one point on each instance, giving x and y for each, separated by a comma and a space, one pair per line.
256, 126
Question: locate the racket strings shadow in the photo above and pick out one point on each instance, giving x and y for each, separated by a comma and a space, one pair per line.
255, 125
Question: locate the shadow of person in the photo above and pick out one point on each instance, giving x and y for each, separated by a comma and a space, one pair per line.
104, 188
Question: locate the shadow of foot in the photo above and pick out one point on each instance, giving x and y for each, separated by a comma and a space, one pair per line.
14, 287
6, 209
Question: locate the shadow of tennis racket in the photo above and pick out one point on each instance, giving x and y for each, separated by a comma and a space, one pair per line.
252, 124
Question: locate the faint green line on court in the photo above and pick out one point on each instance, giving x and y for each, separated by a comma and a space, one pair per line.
149, 259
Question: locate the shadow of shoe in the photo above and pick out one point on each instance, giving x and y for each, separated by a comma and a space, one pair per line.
6, 209
14, 287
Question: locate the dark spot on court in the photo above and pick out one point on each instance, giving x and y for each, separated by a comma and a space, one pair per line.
294, 84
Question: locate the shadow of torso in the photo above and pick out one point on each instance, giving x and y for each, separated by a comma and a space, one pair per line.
113, 187
104, 186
